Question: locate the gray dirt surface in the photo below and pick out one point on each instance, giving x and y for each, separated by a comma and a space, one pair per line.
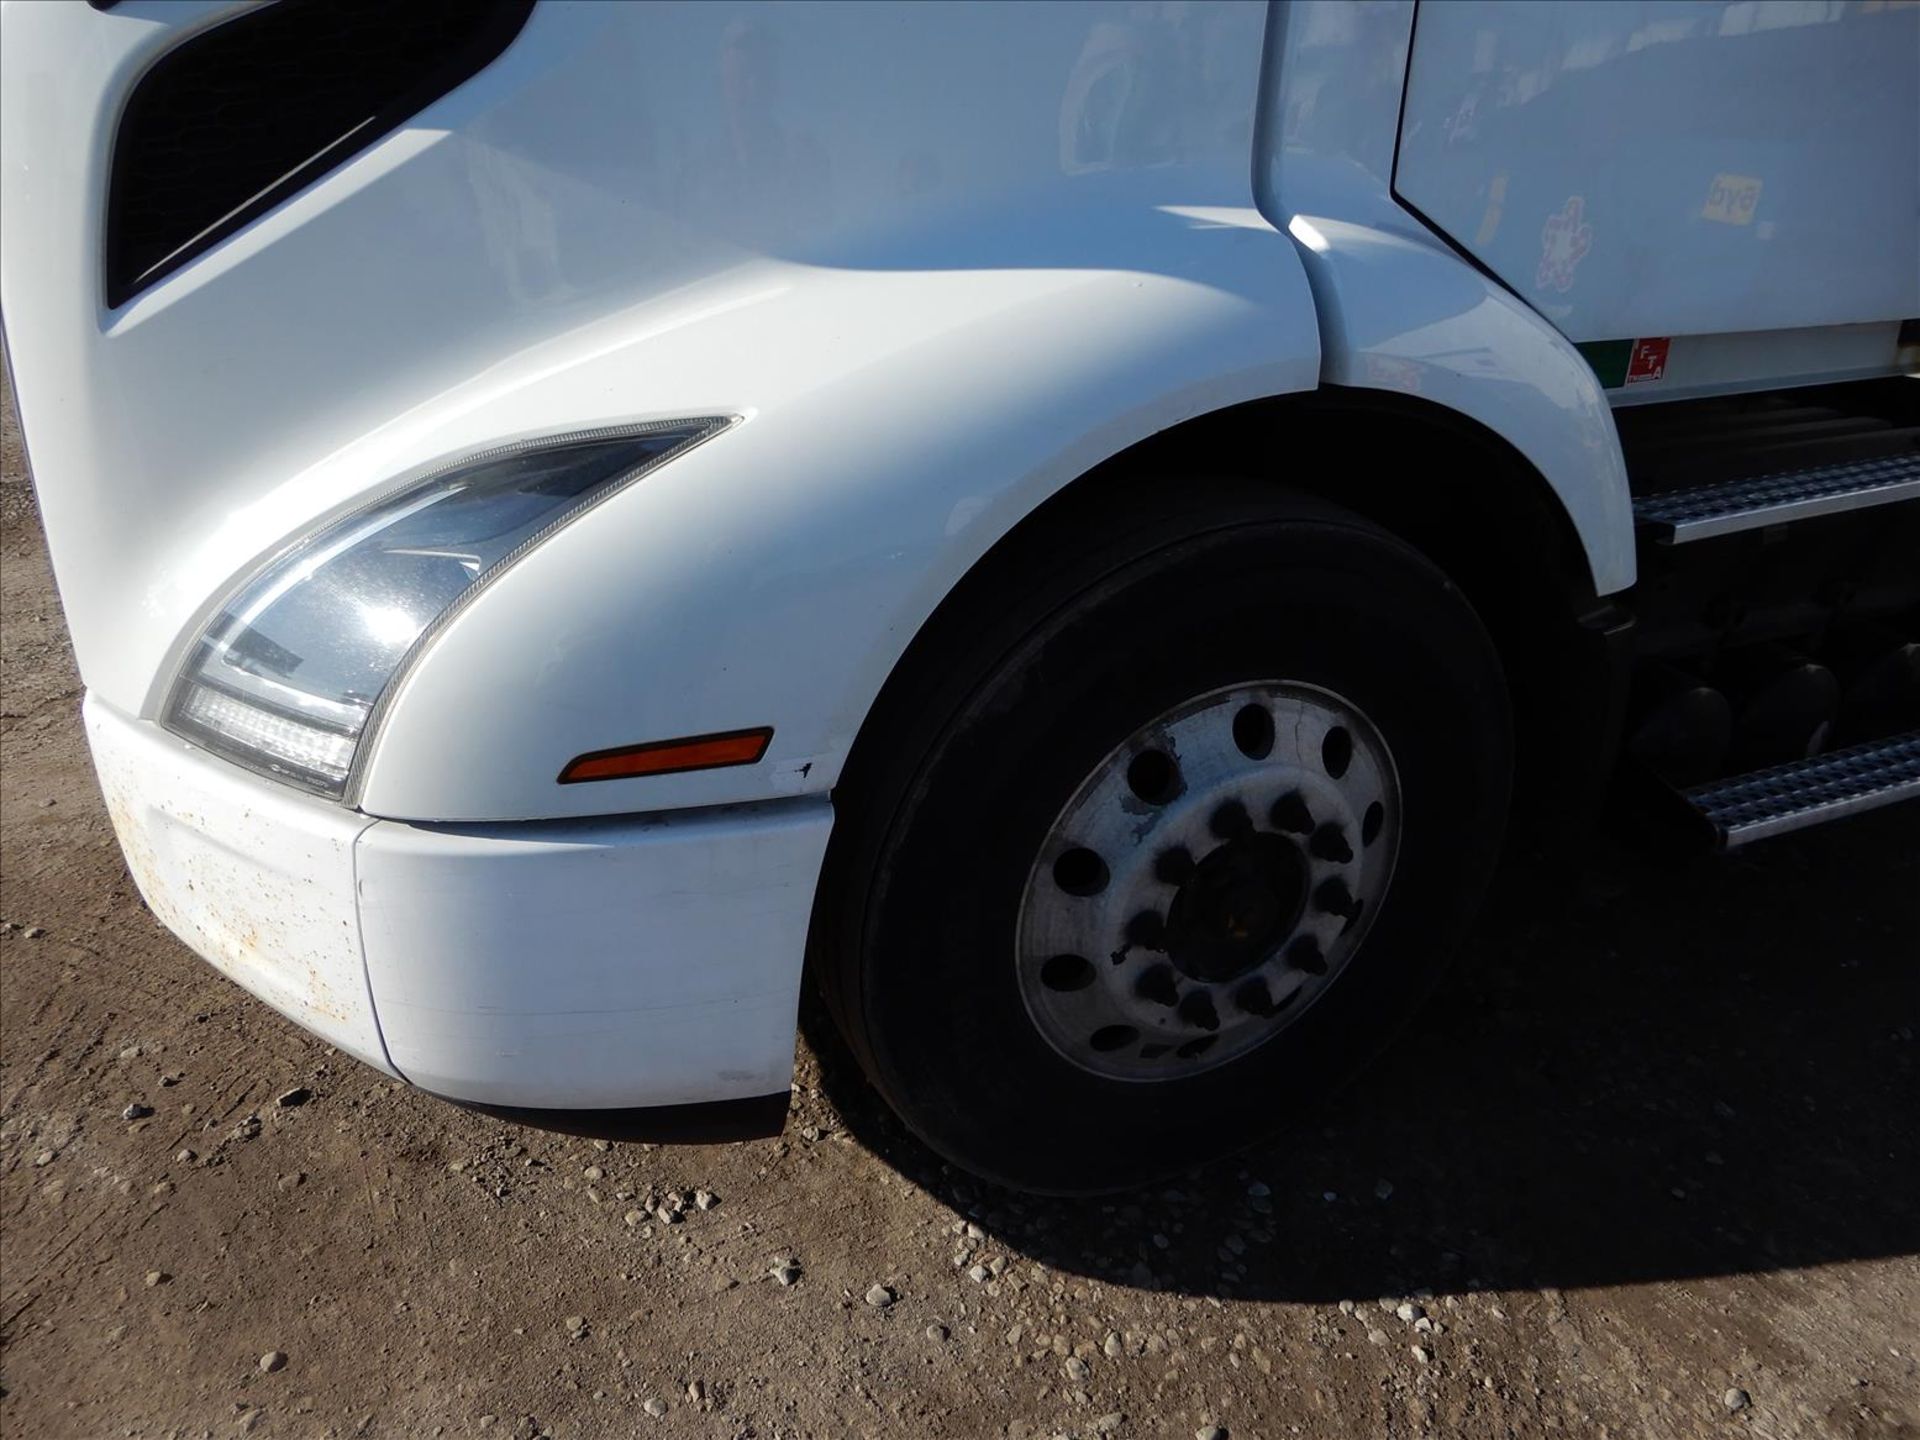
1654, 1144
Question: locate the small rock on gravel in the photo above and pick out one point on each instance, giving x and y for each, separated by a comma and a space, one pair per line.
879, 1296
937, 1332
1422, 1354
1076, 1368
655, 1407
705, 1199
787, 1272
576, 1326
136, 1111
1211, 1432
289, 1099
1736, 1399
1108, 1423
43, 1159
157, 1277
34, 932
1408, 1311
273, 1360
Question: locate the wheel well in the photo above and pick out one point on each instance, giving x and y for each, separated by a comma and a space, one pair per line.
1437, 479
1446, 485
1468, 500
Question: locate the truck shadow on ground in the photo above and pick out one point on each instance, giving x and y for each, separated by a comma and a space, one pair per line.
1682, 1069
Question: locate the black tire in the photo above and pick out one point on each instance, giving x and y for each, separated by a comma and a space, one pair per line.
1033, 673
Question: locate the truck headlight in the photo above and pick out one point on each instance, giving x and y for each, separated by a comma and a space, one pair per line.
287, 675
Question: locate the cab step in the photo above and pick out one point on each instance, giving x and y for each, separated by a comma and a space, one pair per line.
1744, 808
1701, 512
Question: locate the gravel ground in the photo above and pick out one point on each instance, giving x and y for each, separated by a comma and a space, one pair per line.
1648, 1168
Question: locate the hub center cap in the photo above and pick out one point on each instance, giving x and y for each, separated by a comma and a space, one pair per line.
1243, 900
1208, 881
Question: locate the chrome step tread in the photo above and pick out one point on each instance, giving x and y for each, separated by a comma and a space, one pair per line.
1745, 808
1701, 512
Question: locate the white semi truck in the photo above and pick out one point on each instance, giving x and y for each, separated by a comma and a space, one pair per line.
1082, 529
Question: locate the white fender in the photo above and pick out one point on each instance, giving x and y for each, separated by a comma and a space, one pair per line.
896, 424
940, 260
1399, 310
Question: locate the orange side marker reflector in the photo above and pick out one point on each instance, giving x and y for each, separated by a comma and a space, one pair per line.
670, 757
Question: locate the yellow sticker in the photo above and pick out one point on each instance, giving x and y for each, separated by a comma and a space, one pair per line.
1732, 199
1496, 202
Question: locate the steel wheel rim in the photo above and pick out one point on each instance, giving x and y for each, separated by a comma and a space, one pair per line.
1163, 932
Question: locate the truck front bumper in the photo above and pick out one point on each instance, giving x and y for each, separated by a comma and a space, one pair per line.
559, 966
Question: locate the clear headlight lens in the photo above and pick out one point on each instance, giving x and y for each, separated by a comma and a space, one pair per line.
286, 676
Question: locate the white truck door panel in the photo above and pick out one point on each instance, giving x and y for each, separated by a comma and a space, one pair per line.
1666, 167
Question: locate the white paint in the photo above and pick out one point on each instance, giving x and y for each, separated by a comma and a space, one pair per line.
593, 964
649, 961
1738, 166
255, 877
1761, 359
942, 260
1401, 312
777, 573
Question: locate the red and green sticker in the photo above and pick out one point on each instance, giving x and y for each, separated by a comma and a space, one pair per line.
1627, 362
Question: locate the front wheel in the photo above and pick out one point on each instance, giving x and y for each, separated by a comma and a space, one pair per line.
1187, 827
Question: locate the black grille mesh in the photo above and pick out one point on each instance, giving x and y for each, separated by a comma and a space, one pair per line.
233, 121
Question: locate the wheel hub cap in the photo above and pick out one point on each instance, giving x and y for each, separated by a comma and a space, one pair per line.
1208, 881
1243, 899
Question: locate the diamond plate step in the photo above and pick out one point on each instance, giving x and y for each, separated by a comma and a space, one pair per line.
1752, 807
1701, 512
